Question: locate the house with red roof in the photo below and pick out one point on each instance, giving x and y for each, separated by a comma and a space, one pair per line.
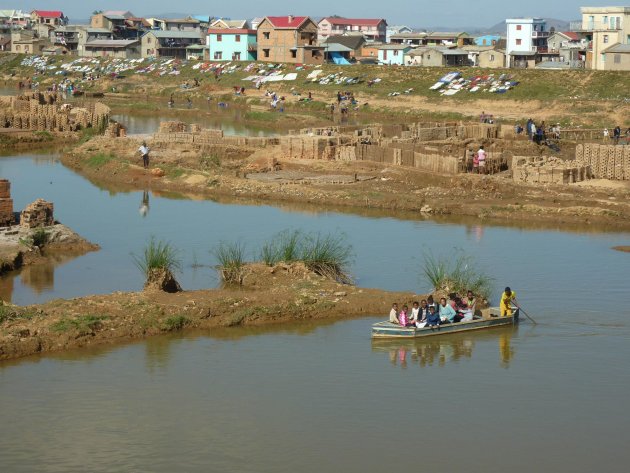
373, 29
291, 39
51, 18
570, 46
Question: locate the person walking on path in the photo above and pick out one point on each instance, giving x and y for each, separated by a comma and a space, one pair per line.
144, 151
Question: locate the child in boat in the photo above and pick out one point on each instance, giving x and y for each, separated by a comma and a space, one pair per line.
393, 314
433, 318
415, 312
403, 318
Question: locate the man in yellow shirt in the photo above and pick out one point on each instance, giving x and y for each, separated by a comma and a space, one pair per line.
507, 299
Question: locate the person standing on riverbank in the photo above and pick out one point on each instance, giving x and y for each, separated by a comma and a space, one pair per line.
144, 151
507, 299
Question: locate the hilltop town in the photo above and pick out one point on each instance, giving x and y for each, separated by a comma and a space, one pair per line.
598, 41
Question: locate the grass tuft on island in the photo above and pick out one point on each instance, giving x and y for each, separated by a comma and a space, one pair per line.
327, 255
457, 273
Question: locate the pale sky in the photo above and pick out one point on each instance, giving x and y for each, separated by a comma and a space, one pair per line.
480, 13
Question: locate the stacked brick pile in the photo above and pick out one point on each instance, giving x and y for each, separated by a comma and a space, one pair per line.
43, 112
605, 161
37, 214
6, 204
549, 170
115, 130
172, 127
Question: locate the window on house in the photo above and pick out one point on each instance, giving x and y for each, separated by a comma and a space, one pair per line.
617, 58
293, 53
236, 56
395, 52
605, 38
149, 40
218, 54
219, 37
265, 53
266, 35
491, 57
237, 38
603, 57
519, 27
428, 57
518, 42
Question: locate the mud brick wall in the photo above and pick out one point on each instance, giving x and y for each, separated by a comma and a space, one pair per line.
606, 161
37, 214
543, 170
6, 204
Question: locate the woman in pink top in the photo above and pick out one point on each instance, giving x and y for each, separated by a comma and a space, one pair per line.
403, 318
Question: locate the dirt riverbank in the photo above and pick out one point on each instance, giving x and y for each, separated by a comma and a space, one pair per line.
18, 247
268, 295
353, 185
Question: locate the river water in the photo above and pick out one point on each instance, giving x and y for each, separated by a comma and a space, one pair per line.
320, 397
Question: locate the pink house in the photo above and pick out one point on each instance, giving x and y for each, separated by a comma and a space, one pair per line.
373, 29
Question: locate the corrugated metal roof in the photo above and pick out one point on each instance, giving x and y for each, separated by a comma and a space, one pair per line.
111, 43
176, 34
618, 48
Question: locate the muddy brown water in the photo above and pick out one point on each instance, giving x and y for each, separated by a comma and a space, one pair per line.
321, 397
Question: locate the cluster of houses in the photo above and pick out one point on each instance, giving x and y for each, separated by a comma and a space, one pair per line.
600, 40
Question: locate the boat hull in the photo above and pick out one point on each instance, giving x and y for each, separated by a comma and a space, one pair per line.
389, 330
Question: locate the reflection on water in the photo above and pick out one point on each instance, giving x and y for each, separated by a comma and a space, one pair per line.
232, 121
39, 277
440, 350
144, 204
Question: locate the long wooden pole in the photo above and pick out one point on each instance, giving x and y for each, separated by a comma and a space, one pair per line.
527, 315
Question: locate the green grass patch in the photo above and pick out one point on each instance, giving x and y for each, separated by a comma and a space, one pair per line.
44, 135
211, 161
231, 259
84, 324
176, 322
99, 160
40, 237
158, 255
9, 313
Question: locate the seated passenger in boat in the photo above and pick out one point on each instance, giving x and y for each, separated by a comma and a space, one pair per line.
423, 313
393, 314
415, 311
403, 318
431, 303
447, 313
471, 301
433, 318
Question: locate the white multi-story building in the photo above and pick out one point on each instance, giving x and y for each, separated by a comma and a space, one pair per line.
526, 39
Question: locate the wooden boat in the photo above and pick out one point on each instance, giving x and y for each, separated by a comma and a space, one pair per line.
489, 319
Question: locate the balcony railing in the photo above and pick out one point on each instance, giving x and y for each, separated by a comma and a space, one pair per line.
540, 34
594, 25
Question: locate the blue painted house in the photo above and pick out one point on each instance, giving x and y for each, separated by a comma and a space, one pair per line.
231, 44
393, 54
487, 40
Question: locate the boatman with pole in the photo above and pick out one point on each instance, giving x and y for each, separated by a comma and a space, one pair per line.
507, 299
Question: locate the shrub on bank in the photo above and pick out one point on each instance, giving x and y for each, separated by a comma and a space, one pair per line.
231, 259
456, 273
